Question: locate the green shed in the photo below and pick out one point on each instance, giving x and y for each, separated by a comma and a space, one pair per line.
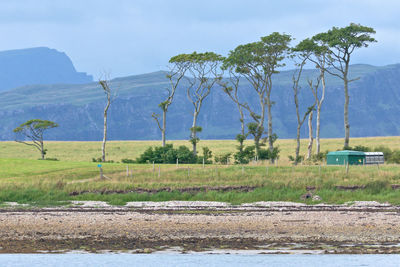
346, 156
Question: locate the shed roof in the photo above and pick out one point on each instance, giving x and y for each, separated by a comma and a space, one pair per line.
346, 153
374, 153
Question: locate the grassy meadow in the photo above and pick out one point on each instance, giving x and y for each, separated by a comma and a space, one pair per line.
25, 179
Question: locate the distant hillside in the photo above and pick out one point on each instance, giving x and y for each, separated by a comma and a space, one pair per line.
374, 108
39, 65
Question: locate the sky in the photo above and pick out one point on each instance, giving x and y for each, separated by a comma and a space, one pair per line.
127, 37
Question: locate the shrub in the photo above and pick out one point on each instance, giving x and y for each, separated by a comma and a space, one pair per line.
127, 160
166, 155
223, 159
297, 160
207, 155
185, 155
100, 160
266, 154
244, 156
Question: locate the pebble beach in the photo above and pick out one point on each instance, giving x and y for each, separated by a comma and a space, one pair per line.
145, 227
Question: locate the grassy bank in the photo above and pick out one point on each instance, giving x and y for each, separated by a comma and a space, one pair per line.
46, 182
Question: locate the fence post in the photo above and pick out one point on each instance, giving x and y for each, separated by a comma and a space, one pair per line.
203, 163
177, 163
347, 168
266, 169
242, 170
154, 170
159, 171
101, 171
127, 170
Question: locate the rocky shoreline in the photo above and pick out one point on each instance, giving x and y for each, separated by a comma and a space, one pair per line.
144, 227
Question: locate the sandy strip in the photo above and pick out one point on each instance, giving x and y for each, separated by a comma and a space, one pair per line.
142, 227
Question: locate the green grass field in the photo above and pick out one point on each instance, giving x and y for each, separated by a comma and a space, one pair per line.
25, 179
117, 150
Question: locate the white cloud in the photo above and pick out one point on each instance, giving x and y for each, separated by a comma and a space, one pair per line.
130, 37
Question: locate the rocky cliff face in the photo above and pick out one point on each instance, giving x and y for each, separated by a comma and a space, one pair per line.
78, 109
39, 65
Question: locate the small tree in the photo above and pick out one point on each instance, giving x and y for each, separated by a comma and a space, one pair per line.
205, 72
109, 99
342, 42
175, 75
34, 130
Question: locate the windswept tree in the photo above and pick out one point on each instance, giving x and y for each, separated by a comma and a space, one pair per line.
342, 43
257, 62
301, 58
318, 55
34, 130
110, 97
177, 70
204, 71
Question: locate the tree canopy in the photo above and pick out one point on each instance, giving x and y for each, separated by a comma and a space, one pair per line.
33, 130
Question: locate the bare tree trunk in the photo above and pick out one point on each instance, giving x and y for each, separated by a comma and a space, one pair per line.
270, 141
317, 135
297, 152
42, 149
107, 91
193, 133
310, 135
346, 112
164, 127
103, 147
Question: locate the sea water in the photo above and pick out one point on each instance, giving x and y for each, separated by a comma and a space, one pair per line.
225, 260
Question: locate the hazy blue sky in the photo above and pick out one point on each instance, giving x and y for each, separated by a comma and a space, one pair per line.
132, 37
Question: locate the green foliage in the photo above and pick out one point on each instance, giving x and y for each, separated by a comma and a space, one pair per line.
348, 38
223, 158
166, 155
101, 160
207, 155
297, 160
320, 157
128, 161
197, 58
265, 154
185, 155
245, 155
35, 125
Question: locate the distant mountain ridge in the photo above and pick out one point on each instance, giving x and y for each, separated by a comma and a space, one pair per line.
374, 107
40, 65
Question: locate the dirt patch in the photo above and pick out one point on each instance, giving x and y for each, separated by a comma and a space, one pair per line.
191, 190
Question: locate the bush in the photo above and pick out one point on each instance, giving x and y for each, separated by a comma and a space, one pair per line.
223, 159
207, 155
244, 156
266, 154
100, 160
127, 160
185, 155
297, 160
167, 155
